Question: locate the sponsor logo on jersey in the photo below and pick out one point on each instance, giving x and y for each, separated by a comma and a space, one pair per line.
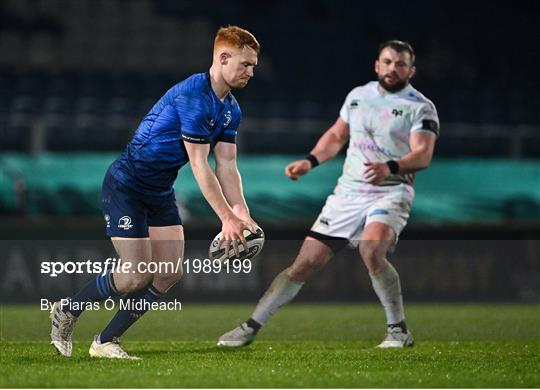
354, 104
228, 118
414, 96
193, 139
397, 112
125, 223
210, 122
108, 220
378, 212
324, 221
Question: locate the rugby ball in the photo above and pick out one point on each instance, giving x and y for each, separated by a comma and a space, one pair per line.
255, 243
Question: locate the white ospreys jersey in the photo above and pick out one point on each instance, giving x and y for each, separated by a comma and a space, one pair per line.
380, 124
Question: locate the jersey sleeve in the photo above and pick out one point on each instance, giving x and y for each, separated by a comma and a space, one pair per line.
194, 123
426, 119
346, 108
230, 132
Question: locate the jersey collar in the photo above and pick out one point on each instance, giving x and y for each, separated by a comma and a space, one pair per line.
228, 97
382, 92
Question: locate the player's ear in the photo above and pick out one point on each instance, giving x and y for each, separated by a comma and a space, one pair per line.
412, 72
377, 66
223, 57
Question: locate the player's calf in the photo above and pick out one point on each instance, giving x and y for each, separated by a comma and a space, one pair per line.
135, 306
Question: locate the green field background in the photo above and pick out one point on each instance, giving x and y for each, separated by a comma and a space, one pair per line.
305, 345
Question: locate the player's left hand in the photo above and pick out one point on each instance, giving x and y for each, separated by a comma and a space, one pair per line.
250, 225
244, 216
254, 225
376, 172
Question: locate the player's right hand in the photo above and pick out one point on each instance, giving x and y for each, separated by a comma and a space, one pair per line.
232, 231
297, 168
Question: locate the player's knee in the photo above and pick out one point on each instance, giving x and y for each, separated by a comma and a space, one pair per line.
373, 254
304, 267
315, 263
370, 250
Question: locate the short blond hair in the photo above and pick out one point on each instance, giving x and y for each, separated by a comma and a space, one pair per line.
234, 36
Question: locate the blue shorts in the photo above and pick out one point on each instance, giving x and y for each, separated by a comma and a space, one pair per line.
129, 213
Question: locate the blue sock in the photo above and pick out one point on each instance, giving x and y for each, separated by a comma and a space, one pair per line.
96, 290
136, 304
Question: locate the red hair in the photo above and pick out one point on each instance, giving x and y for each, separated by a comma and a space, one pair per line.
234, 36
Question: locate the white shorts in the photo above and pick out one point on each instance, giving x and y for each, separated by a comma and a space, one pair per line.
345, 214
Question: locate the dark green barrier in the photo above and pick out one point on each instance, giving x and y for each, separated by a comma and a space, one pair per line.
452, 190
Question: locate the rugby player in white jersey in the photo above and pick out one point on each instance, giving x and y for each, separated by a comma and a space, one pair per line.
391, 129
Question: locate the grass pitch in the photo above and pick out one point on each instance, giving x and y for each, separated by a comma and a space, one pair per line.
330, 345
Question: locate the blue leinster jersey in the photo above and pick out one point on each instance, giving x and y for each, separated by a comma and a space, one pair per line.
189, 112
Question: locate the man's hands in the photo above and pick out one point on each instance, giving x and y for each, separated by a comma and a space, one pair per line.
327, 147
376, 172
297, 168
232, 232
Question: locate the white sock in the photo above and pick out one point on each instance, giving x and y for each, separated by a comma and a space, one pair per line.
281, 291
388, 288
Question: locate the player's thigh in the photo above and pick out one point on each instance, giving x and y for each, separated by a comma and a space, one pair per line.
167, 255
165, 228
126, 225
167, 242
124, 210
313, 255
387, 216
385, 220
377, 239
132, 275
134, 250
341, 217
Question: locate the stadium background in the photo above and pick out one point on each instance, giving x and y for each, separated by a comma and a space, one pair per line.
76, 77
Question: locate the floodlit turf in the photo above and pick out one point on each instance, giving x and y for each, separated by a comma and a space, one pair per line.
327, 345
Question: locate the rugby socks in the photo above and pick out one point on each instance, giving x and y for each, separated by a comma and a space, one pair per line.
133, 307
388, 288
96, 290
251, 323
281, 291
400, 325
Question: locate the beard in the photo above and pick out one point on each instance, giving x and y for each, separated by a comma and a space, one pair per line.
397, 86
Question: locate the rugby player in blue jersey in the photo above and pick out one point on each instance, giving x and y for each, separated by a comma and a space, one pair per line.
138, 201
